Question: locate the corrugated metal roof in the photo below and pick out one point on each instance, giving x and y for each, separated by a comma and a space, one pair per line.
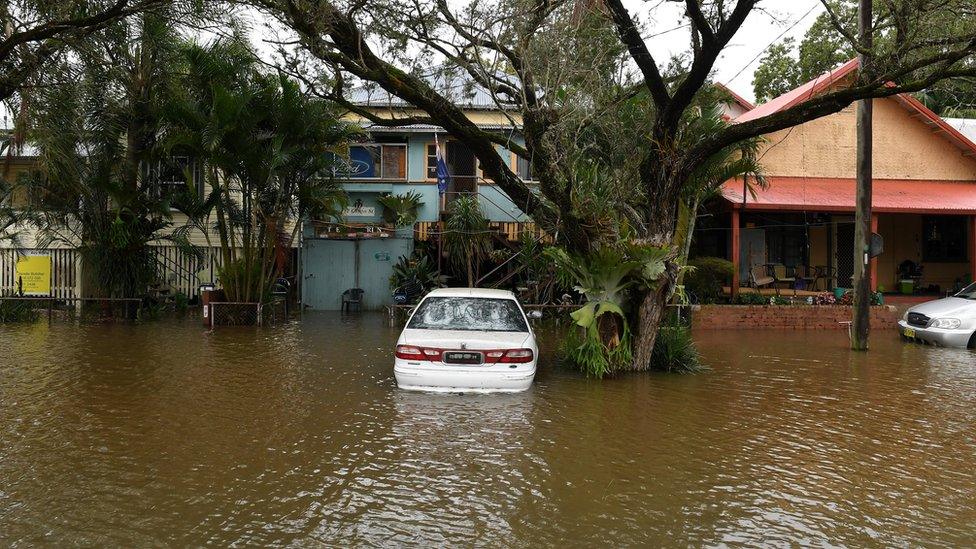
838, 195
823, 82
800, 94
965, 126
427, 128
455, 84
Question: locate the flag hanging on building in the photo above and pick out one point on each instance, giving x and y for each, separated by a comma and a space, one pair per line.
443, 177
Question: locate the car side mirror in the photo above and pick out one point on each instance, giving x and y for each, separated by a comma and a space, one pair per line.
535, 314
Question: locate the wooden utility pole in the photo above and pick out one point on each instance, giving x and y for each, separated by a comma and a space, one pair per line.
861, 327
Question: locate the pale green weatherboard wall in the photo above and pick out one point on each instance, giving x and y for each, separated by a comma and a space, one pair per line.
331, 266
495, 203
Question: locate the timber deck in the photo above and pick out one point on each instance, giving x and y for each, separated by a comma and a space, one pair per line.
785, 292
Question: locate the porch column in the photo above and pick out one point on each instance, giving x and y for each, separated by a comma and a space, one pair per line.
972, 248
734, 290
874, 260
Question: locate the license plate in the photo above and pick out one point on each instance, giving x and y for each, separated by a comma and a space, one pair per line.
909, 332
462, 357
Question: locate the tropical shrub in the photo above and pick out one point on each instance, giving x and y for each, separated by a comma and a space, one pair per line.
467, 235
417, 269
704, 281
401, 209
674, 349
17, 311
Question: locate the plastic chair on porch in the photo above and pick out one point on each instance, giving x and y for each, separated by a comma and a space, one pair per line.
352, 296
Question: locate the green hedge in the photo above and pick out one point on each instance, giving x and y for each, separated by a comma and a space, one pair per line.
705, 281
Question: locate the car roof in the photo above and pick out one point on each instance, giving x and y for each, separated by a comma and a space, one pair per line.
471, 292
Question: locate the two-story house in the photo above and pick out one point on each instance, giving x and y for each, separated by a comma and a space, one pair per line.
360, 251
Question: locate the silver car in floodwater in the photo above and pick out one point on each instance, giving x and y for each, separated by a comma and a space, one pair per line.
949, 322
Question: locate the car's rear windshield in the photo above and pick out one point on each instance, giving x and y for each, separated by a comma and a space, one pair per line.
969, 292
469, 313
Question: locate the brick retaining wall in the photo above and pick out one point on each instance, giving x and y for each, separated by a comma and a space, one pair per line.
786, 317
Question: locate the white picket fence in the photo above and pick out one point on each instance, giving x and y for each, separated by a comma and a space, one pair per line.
64, 271
182, 272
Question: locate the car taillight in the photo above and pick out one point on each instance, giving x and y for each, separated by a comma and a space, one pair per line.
411, 352
511, 356
518, 356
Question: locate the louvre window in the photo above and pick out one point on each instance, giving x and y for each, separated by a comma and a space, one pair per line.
524, 168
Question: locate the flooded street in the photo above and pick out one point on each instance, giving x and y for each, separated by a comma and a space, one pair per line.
162, 433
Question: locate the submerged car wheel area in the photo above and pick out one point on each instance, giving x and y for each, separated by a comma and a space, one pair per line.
466, 340
949, 322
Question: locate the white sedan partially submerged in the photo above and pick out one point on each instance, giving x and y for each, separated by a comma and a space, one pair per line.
949, 322
466, 340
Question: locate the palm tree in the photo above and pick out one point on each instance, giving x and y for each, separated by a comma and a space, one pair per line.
739, 161
97, 133
270, 151
467, 235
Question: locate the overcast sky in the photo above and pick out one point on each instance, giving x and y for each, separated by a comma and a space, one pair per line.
737, 63
771, 23
776, 20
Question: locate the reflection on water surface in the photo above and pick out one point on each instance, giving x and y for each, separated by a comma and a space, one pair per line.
130, 435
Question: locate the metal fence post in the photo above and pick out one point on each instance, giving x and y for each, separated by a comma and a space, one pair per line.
260, 315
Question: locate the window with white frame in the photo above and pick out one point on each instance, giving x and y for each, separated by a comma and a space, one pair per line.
174, 175
524, 168
431, 162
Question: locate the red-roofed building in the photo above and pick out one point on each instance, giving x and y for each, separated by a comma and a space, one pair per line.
736, 106
924, 196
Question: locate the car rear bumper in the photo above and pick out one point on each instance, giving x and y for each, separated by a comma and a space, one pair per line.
451, 379
938, 336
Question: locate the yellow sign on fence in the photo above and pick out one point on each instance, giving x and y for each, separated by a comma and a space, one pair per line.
33, 274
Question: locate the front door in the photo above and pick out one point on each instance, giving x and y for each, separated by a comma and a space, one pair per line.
752, 249
844, 254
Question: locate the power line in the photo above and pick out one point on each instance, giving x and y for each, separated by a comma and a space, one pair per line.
775, 40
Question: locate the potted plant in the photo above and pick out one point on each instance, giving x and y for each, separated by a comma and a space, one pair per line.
400, 210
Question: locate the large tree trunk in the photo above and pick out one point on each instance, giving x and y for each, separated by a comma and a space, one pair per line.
662, 220
650, 313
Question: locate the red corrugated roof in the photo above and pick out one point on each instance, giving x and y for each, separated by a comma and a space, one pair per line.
837, 195
801, 94
927, 116
742, 101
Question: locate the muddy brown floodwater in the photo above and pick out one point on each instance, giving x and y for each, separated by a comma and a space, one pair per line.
163, 434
